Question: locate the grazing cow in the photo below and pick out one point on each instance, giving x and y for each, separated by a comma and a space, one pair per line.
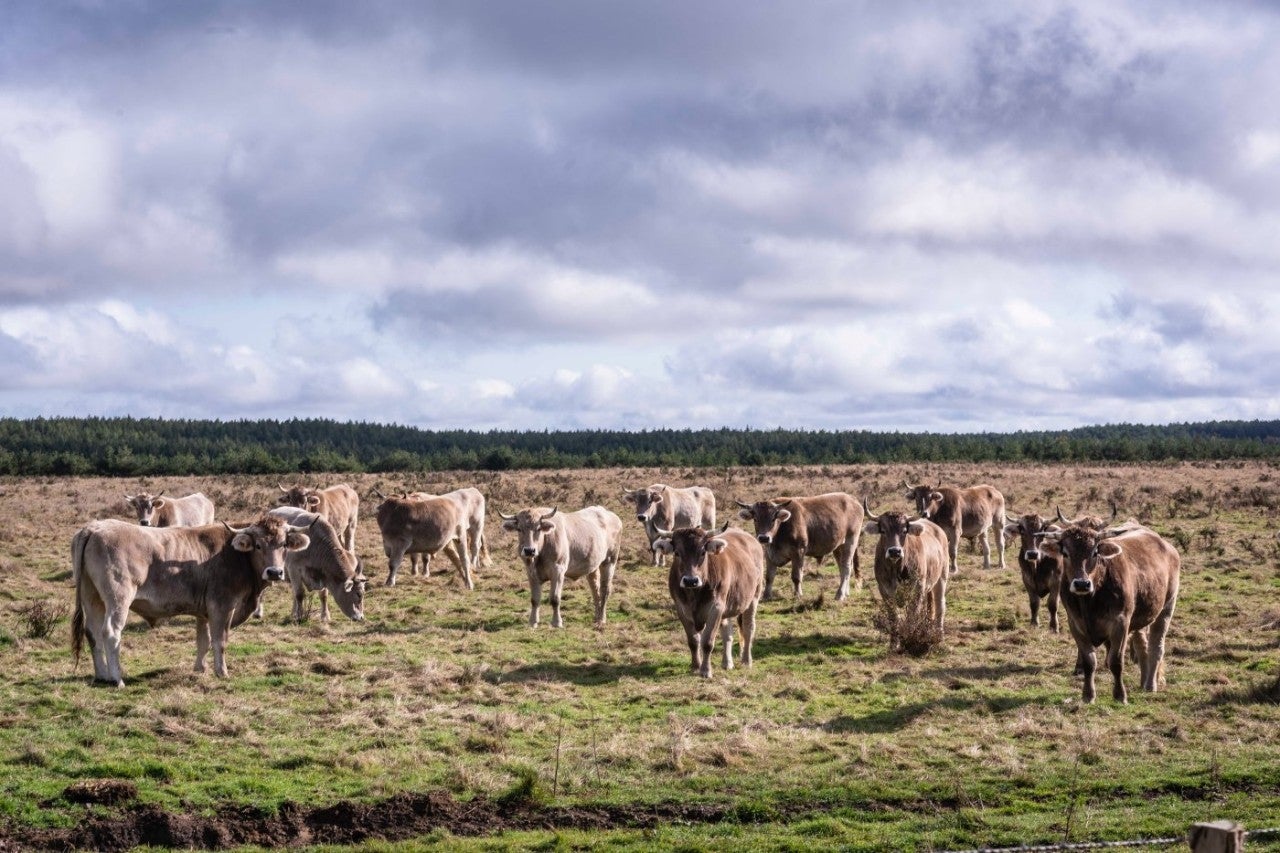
324, 566
472, 503
1041, 570
794, 528
662, 507
340, 505
1117, 583
157, 511
426, 525
963, 512
911, 567
714, 578
215, 573
566, 546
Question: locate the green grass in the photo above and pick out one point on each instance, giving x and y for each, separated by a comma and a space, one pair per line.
827, 743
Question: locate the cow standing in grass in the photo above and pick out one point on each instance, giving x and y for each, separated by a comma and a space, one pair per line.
911, 569
324, 566
1041, 570
158, 511
662, 507
791, 529
1118, 585
339, 504
714, 579
426, 525
557, 546
970, 513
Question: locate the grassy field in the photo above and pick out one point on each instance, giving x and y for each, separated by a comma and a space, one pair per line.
578, 738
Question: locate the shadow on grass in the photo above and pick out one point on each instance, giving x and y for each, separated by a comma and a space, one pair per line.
800, 644
582, 674
884, 722
983, 673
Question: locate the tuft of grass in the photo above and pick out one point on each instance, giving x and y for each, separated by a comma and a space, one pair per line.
40, 618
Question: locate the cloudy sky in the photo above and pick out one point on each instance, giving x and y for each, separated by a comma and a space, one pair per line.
920, 216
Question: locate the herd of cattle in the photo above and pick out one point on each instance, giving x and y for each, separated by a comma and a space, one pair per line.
1117, 582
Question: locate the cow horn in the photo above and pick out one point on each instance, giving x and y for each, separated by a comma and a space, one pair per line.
158, 494
505, 517
380, 494
781, 504
548, 515
871, 516
741, 504
233, 530
723, 528
129, 498
282, 488
1061, 518
663, 534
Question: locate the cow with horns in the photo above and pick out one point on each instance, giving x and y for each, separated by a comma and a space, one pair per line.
558, 546
910, 568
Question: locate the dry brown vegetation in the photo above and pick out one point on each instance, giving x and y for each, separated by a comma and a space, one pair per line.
445, 690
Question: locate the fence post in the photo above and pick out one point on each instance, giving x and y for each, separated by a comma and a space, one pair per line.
1219, 836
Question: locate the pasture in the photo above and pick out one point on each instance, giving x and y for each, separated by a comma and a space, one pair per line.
444, 720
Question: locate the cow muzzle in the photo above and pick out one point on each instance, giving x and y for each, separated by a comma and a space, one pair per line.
273, 573
765, 539
1032, 556
640, 516
894, 554
1082, 586
529, 552
690, 582
145, 522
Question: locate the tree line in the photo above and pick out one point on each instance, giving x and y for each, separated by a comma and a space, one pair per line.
127, 447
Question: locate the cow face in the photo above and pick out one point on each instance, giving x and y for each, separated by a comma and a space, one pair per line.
266, 541
1027, 527
145, 506
296, 496
351, 599
691, 545
1084, 554
532, 526
768, 517
893, 529
926, 500
646, 502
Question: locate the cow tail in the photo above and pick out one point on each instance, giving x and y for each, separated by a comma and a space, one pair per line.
77, 577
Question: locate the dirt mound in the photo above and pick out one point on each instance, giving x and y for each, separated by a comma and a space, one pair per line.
398, 818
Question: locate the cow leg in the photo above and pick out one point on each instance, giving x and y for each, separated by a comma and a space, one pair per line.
535, 595
593, 584
770, 572
1155, 650
953, 542
998, 533
606, 587
1034, 600
747, 630
1115, 661
324, 605
726, 642
219, 632
202, 643
707, 640
95, 620
844, 560
557, 590
462, 559
695, 646
797, 573
299, 596
986, 549
113, 636
940, 603
1053, 609
349, 536
395, 554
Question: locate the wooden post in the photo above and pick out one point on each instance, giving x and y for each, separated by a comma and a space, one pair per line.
1220, 836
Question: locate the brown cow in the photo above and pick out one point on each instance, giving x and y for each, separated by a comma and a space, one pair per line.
663, 507
714, 578
963, 512
911, 567
214, 573
558, 546
794, 528
157, 511
1041, 570
1117, 583
324, 566
426, 525
340, 505
472, 503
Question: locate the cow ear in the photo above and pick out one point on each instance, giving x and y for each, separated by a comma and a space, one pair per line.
157, 502
915, 528
663, 545
655, 499
296, 541
1109, 550
784, 514
313, 500
935, 496
629, 497
512, 525
242, 542
871, 527
283, 499
1013, 528
349, 585
744, 514
715, 546
547, 526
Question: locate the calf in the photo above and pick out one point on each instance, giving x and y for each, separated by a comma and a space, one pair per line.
714, 578
340, 505
156, 511
324, 566
426, 525
215, 573
1116, 584
663, 507
558, 546
1041, 570
963, 512
794, 528
911, 567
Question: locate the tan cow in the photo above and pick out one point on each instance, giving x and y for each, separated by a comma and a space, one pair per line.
794, 528
714, 579
215, 573
340, 505
1117, 584
158, 511
472, 503
426, 525
557, 546
967, 512
663, 507
1041, 570
911, 567
324, 566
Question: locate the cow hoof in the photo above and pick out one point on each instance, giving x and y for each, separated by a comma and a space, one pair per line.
390, 582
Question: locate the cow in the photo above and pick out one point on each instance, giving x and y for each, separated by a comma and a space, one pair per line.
426, 525
967, 512
157, 511
791, 529
214, 572
472, 503
910, 567
558, 546
663, 507
714, 579
1041, 570
1118, 583
324, 566
340, 505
